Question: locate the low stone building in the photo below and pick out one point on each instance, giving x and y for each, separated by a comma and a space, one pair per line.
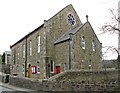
109, 64
7, 57
61, 43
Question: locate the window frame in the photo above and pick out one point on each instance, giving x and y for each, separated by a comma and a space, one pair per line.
83, 43
30, 48
23, 69
23, 53
93, 45
90, 65
38, 44
38, 67
52, 66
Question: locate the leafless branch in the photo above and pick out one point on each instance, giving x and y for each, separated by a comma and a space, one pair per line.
111, 48
111, 26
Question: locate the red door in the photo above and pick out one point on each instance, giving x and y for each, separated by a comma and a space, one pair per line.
57, 69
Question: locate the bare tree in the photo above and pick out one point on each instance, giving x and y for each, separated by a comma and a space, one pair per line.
112, 25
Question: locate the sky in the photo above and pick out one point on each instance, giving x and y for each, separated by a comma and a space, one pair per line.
19, 17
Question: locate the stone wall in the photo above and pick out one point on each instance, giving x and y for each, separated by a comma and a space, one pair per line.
82, 75
4, 77
66, 85
63, 85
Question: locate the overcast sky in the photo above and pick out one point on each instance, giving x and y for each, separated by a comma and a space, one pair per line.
19, 17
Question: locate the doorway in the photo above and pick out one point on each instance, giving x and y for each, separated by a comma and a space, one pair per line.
57, 69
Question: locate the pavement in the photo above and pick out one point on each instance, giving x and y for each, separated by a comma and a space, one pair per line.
7, 85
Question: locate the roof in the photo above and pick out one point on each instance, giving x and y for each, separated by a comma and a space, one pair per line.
26, 36
39, 27
66, 36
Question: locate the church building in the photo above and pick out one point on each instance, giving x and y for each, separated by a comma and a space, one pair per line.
61, 43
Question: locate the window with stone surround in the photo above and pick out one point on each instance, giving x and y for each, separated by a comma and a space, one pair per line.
13, 56
38, 67
17, 68
52, 66
30, 48
24, 51
93, 45
83, 42
23, 69
18, 53
38, 44
71, 19
90, 64
65, 66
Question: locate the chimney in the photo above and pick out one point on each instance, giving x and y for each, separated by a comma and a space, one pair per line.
87, 17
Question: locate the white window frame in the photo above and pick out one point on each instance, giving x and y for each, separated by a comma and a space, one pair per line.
38, 44
65, 66
23, 69
90, 64
81, 64
30, 48
23, 50
52, 66
18, 53
13, 55
17, 68
38, 67
83, 43
93, 45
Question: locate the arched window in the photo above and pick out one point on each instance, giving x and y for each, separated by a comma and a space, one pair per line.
38, 44
83, 42
93, 45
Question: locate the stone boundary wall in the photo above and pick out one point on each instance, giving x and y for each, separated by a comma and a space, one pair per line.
65, 82
98, 76
46, 85
4, 77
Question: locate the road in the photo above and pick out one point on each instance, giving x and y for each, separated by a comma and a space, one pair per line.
5, 89
8, 90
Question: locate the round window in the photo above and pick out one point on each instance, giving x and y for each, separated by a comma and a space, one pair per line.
71, 19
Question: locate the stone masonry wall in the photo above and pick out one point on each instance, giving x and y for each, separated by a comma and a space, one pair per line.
65, 85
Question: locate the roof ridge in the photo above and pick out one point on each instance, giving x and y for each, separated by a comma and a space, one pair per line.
65, 36
60, 11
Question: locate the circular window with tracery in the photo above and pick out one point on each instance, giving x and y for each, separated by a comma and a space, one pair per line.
71, 19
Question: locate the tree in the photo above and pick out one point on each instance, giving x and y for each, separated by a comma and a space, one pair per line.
113, 27
3, 58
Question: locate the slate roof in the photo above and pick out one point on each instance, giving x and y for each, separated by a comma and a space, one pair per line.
39, 27
27, 36
66, 36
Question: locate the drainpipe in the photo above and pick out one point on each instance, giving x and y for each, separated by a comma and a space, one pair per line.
70, 42
26, 58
